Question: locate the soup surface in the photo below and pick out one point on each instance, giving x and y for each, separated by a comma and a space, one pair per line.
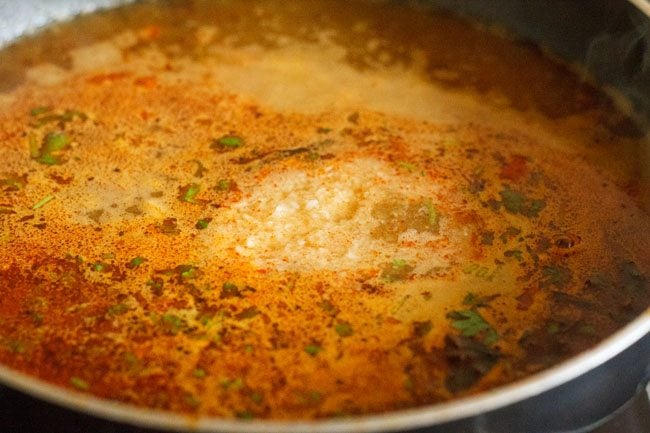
307, 209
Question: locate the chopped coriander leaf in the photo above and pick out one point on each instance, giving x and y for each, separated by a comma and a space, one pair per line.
313, 349
54, 142
328, 307
257, 397
472, 299
172, 323
169, 226
227, 142
322, 130
203, 223
79, 383
398, 269
234, 384
230, 290
37, 111
420, 329
315, 396
188, 272
118, 309
189, 192
434, 216
556, 276
516, 203
248, 313
343, 329
408, 166
135, 262
43, 202
223, 185
471, 323
14, 183
517, 254
247, 414
192, 400
156, 285
99, 267
199, 373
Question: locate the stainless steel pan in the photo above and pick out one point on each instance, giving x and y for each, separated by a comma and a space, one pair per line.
611, 39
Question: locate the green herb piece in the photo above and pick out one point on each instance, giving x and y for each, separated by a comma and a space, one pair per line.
420, 329
246, 414
199, 373
343, 329
79, 383
13, 183
135, 262
434, 216
487, 238
230, 290
257, 397
43, 202
410, 167
6, 211
314, 396
471, 323
328, 307
52, 144
100, 267
192, 401
313, 349
203, 223
169, 226
322, 130
516, 203
400, 304
172, 323
189, 192
156, 285
188, 272
473, 300
517, 254
118, 309
227, 142
248, 313
223, 185
553, 328
556, 275
398, 269
37, 111
232, 384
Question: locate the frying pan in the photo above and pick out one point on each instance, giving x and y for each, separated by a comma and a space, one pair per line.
612, 40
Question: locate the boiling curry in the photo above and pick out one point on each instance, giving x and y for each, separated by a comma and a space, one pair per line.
301, 210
